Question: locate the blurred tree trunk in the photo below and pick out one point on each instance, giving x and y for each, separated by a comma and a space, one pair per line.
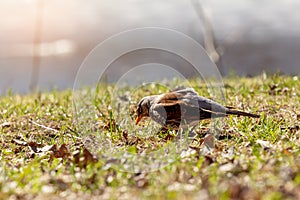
208, 34
36, 59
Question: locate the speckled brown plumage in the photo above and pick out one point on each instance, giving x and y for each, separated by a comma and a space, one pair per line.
182, 107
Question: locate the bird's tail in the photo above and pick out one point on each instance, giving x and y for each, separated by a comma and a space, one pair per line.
240, 113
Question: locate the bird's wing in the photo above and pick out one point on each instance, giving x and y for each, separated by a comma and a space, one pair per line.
191, 97
174, 112
206, 106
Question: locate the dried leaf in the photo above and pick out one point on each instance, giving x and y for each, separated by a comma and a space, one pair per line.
34, 147
46, 148
88, 156
84, 158
230, 153
141, 181
62, 152
208, 160
188, 153
125, 135
226, 167
176, 186
264, 144
19, 142
286, 152
208, 144
60, 183
273, 88
201, 140
5, 124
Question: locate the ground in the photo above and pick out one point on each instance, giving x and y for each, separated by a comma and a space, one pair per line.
44, 154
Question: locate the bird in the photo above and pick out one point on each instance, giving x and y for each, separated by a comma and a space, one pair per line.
181, 108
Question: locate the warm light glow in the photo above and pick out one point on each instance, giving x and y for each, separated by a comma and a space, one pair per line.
56, 48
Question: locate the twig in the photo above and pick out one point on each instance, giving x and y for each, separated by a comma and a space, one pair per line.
45, 127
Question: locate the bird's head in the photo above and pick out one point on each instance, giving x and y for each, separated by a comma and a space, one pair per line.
143, 108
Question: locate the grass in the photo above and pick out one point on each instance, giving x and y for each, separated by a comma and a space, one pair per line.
43, 152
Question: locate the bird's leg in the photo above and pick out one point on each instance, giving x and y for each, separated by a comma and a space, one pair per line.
183, 137
179, 136
179, 133
192, 134
215, 129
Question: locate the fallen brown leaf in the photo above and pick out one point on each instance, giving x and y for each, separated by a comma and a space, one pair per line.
84, 158
62, 152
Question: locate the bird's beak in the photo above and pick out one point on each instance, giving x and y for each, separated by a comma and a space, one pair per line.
138, 119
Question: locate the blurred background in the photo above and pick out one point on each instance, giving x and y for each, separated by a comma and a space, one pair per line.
43, 43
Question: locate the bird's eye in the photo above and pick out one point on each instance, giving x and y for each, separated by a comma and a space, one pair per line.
140, 110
